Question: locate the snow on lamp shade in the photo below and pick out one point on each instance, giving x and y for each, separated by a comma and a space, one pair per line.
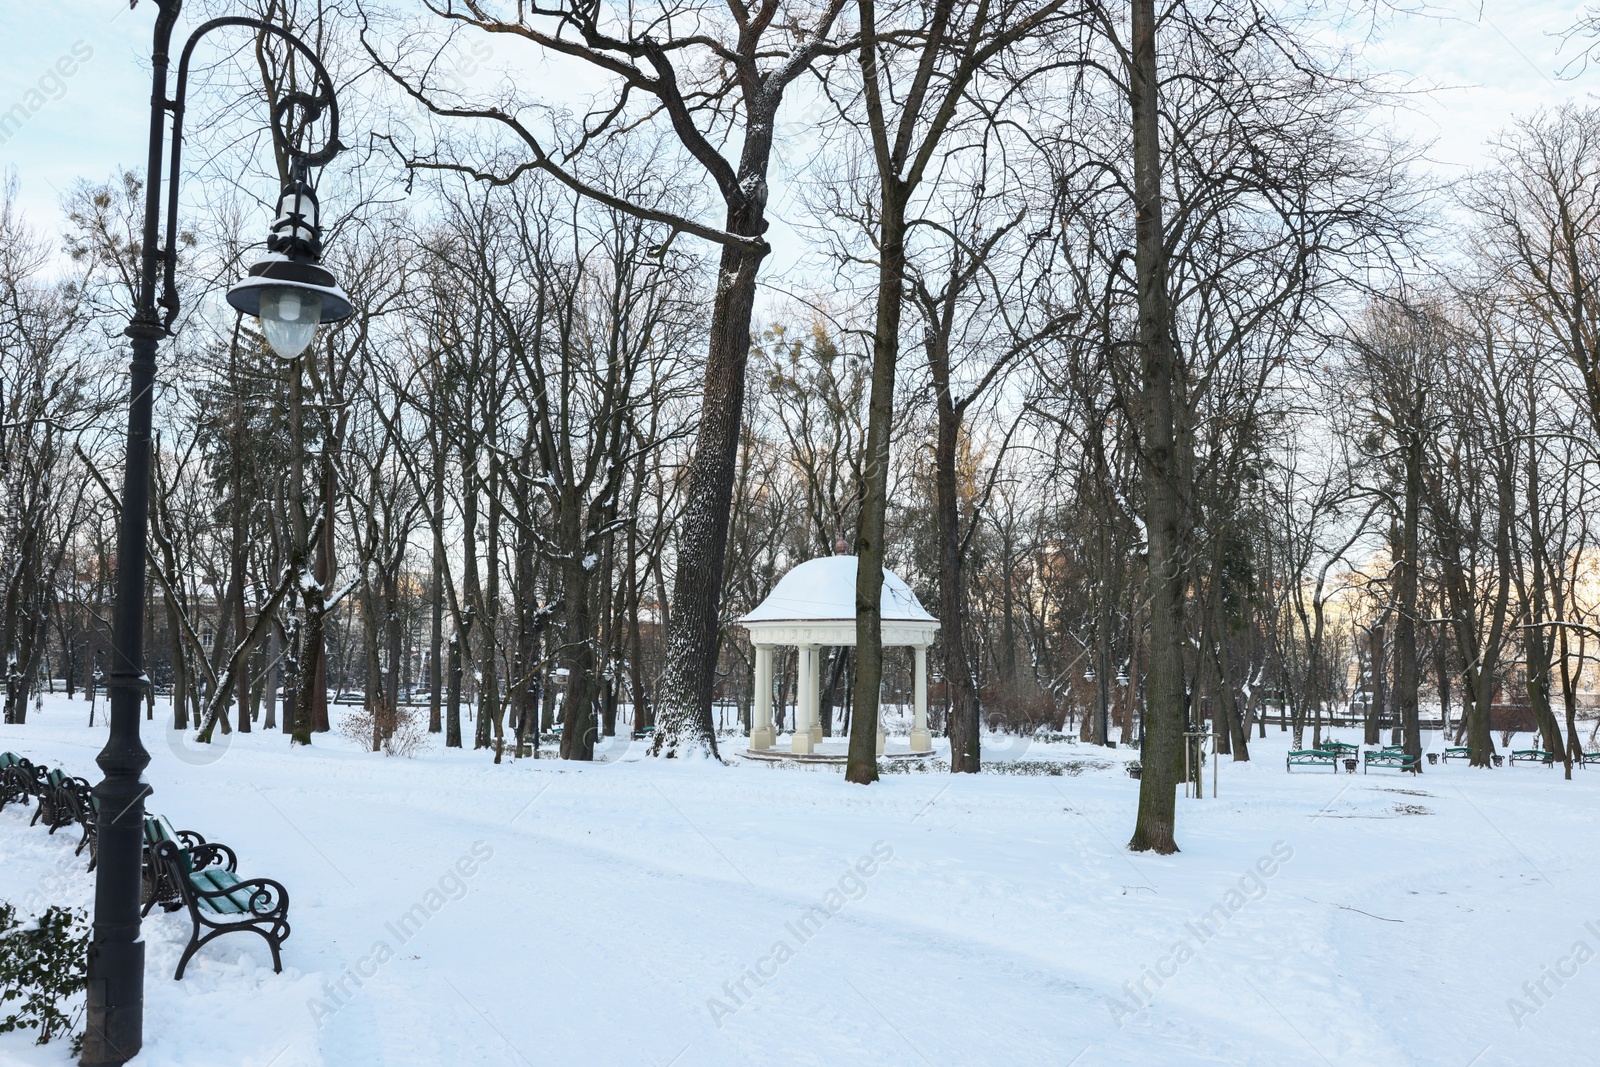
289, 320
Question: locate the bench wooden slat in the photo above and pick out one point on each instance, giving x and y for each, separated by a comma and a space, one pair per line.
216, 878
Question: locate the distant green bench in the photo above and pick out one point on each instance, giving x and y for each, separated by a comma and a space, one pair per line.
1531, 755
1312, 757
1457, 752
1387, 758
1587, 758
648, 731
1340, 748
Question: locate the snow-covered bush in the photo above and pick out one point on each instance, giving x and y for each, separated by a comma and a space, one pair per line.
42, 964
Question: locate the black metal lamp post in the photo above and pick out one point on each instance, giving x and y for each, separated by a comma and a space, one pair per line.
287, 290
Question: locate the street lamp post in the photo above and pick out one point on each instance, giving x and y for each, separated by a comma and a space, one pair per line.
287, 291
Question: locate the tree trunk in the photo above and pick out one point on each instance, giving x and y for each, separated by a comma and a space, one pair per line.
316, 633
1406, 673
436, 630
683, 699
491, 712
577, 732
862, 763
1163, 469
1379, 686
452, 732
269, 686
963, 720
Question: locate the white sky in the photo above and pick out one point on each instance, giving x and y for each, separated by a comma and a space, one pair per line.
1480, 67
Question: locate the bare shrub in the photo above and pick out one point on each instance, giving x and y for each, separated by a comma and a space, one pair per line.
392, 731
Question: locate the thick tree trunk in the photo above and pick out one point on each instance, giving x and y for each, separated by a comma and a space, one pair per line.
1536, 642
311, 644
683, 709
1163, 469
578, 731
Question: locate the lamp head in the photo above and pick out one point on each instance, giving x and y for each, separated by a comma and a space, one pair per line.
287, 289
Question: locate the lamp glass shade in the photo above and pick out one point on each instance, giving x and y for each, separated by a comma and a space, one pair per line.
289, 318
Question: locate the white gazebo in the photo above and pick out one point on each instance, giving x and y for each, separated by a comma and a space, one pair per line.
814, 607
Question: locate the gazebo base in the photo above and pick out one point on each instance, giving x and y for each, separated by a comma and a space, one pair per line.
838, 754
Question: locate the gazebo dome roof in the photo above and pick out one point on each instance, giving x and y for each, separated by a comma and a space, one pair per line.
825, 589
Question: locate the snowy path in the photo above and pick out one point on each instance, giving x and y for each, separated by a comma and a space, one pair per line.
622, 905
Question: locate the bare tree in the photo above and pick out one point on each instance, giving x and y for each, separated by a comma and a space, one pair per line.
720, 83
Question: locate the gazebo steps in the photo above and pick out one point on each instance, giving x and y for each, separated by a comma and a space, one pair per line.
782, 755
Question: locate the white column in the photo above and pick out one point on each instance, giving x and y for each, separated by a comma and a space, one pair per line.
761, 733
814, 710
801, 742
921, 740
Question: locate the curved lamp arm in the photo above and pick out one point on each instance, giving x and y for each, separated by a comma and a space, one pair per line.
312, 105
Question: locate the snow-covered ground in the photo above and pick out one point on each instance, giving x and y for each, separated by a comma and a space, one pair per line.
645, 912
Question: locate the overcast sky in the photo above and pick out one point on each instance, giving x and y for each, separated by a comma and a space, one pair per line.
1480, 67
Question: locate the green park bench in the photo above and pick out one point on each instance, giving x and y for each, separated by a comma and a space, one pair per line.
1340, 748
1387, 758
1312, 757
1457, 752
158, 888
85, 807
16, 775
1531, 755
57, 791
220, 902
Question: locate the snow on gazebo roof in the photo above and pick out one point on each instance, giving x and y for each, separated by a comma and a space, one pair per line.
824, 589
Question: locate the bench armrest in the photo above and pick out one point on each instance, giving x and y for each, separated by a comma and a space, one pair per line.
266, 897
211, 853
